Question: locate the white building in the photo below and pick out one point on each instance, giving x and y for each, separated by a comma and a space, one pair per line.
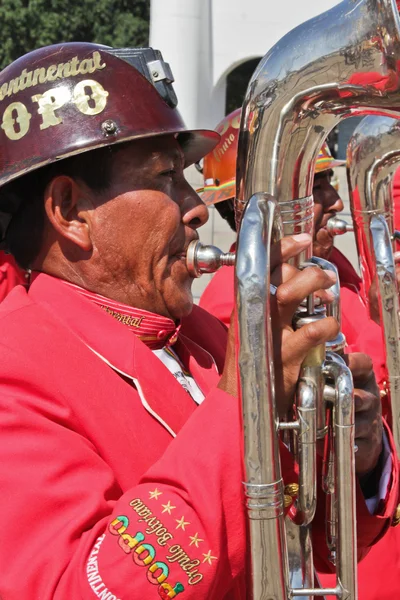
204, 40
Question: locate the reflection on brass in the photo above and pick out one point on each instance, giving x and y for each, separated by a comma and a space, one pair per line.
315, 357
287, 500
292, 489
396, 518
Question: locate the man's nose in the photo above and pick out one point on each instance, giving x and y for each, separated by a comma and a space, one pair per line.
195, 212
335, 203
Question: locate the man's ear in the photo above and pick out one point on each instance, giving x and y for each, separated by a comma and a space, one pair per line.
67, 208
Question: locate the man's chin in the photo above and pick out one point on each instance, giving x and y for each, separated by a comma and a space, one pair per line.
181, 305
177, 291
323, 244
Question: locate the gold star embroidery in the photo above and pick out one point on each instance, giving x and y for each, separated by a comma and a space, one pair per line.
181, 523
195, 540
168, 507
208, 558
154, 495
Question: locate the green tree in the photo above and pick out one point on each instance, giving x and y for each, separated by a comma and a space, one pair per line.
29, 24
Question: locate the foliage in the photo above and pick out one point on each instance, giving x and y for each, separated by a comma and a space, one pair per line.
30, 24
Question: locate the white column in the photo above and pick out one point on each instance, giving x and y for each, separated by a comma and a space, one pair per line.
179, 28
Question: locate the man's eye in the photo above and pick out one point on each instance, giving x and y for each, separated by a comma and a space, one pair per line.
169, 173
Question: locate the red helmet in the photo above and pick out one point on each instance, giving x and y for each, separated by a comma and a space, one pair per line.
70, 98
219, 168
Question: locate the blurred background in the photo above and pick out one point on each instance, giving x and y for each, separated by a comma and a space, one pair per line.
213, 47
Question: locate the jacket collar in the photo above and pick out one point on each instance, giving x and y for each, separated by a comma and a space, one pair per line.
117, 346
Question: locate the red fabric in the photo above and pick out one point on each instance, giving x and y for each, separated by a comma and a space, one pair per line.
96, 487
363, 335
10, 274
217, 298
154, 330
396, 202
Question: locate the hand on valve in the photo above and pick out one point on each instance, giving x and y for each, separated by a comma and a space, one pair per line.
291, 348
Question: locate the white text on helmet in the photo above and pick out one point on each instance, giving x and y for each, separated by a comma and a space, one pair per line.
72, 68
227, 141
89, 97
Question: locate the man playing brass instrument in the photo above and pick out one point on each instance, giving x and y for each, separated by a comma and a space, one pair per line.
362, 333
115, 482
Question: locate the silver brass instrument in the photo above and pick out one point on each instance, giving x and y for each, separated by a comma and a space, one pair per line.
294, 99
373, 156
337, 226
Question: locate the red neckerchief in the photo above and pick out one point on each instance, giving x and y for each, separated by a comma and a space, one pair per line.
153, 330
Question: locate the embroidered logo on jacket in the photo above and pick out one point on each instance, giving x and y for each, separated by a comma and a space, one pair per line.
144, 555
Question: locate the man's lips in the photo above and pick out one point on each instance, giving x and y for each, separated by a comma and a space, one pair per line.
324, 222
182, 253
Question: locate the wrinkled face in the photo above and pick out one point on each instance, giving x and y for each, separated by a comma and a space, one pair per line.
327, 203
143, 224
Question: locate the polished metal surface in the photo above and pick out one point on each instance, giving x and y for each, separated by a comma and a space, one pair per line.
334, 308
336, 372
277, 543
340, 64
263, 486
337, 226
372, 159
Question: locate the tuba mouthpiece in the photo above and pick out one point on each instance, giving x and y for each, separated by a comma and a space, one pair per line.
206, 259
337, 226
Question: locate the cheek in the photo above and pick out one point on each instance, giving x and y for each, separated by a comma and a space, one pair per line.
139, 228
133, 236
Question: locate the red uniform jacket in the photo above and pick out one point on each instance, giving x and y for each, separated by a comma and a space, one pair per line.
379, 572
98, 499
396, 201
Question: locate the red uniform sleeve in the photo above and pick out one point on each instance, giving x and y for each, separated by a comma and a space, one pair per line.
396, 202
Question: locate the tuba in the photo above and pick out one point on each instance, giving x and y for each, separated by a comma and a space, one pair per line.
294, 99
373, 156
